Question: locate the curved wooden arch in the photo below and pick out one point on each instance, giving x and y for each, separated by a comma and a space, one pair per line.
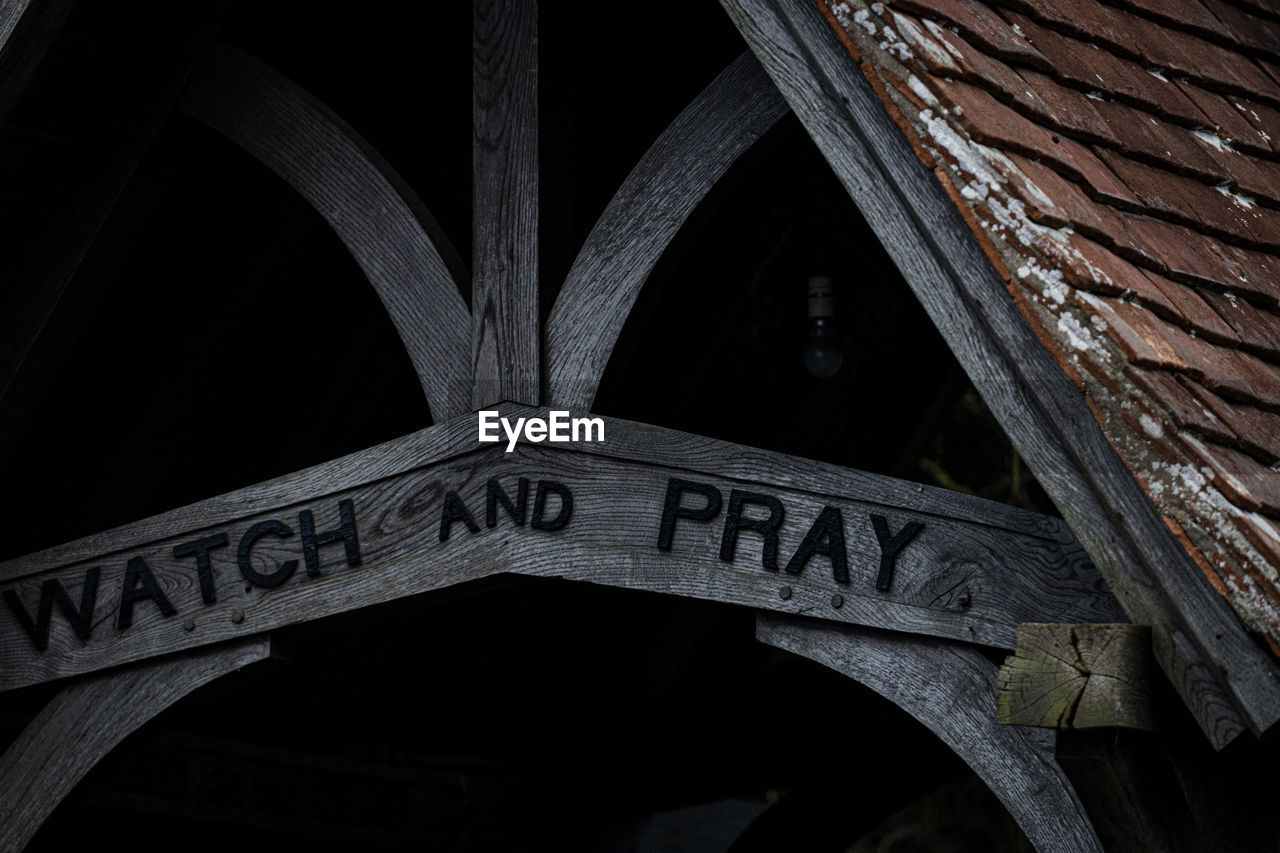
672, 178
89, 718
387, 229
951, 690
1226, 680
389, 234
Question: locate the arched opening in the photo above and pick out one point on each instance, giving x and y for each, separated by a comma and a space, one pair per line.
698, 663
533, 716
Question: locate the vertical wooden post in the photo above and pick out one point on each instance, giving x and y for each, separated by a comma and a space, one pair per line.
506, 344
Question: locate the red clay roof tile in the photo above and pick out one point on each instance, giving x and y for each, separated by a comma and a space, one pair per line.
1192, 202
1258, 330
1151, 185
1256, 273
1226, 119
1187, 411
980, 25
1268, 9
1023, 182
1126, 241
1069, 111
1068, 199
1264, 119
1097, 270
1098, 181
1146, 137
1150, 197
1253, 430
1245, 28
991, 74
935, 56
1192, 310
1079, 17
1246, 483
1252, 175
1196, 258
1055, 47
993, 123
1272, 70
1239, 376
1141, 335
1085, 65
1154, 45
1264, 222
1180, 14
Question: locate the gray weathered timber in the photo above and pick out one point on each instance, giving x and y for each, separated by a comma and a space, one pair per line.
1077, 677
1226, 680
26, 30
384, 226
968, 575
89, 718
951, 690
506, 328
663, 189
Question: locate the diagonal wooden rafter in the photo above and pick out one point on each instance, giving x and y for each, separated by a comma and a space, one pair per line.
412, 516
951, 690
89, 718
388, 231
506, 342
1228, 682
642, 218
27, 27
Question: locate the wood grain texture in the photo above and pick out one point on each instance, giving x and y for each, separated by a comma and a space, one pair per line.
89, 718
951, 690
642, 218
26, 30
1077, 677
1226, 680
963, 576
384, 226
506, 345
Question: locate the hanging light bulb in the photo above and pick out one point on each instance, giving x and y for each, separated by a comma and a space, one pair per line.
822, 355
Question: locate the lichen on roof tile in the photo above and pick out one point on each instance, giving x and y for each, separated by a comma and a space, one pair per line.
1118, 164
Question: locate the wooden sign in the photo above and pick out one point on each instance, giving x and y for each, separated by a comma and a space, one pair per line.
647, 508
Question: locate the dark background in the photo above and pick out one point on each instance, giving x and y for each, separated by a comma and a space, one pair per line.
228, 337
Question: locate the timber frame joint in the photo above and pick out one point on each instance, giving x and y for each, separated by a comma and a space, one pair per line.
1077, 676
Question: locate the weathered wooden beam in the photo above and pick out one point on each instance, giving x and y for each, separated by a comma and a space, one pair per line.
89, 718
1224, 678
506, 345
1077, 677
27, 28
88, 221
951, 689
643, 217
383, 224
647, 508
